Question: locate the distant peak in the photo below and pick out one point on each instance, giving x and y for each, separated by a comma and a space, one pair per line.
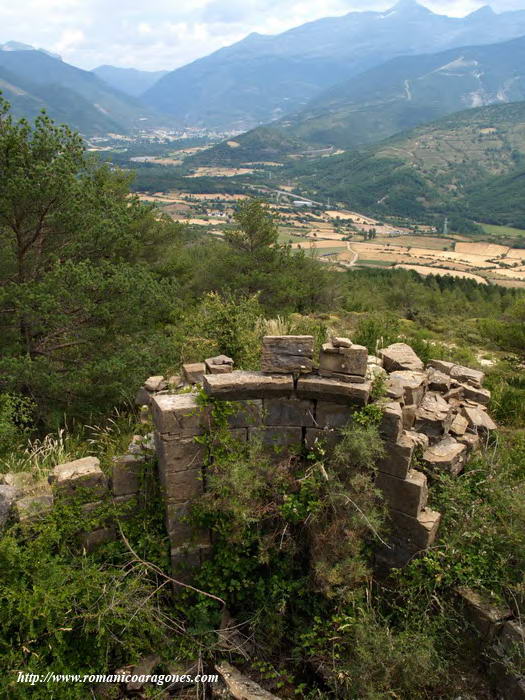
408, 5
484, 11
18, 46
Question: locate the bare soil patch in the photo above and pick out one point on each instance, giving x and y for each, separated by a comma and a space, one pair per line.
441, 271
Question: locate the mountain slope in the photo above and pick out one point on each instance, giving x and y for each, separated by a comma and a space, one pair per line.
261, 144
129, 80
411, 90
61, 104
469, 164
80, 98
262, 78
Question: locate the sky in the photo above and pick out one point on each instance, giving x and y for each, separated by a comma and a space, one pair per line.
165, 34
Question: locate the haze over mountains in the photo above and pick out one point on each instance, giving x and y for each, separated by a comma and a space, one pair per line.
412, 90
343, 81
130, 80
262, 78
32, 80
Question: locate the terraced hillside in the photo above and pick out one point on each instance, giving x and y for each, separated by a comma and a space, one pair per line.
469, 165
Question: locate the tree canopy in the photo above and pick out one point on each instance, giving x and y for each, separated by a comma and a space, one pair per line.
77, 271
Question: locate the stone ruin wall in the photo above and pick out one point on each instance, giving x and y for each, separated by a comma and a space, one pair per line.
26, 497
434, 415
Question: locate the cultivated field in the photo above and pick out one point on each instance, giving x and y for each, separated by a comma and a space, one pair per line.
338, 237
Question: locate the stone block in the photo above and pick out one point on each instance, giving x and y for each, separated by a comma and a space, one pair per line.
420, 440
218, 369
287, 353
441, 366
398, 456
466, 375
157, 383
174, 382
407, 495
470, 440
286, 412
18, 480
446, 455
409, 416
239, 434
126, 506
343, 360
315, 387
92, 540
476, 394
178, 454
433, 416
394, 390
178, 414
277, 438
400, 356
438, 381
193, 372
83, 476
512, 636
180, 530
248, 385
221, 364
397, 555
419, 532
326, 439
375, 372
97, 508
486, 616
332, 415
145, 667
478, 419
126, 474
350, 378
8, 495
141, 445
184, 486
185, 560
25, 483
459, 425
339, 342
142, 397
392, 422
413, 385
31, 508
248, 414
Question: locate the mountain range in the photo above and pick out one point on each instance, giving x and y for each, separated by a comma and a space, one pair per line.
263, 78
412, 90
129, 80
32, 80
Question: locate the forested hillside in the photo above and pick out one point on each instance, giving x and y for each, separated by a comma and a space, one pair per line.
35, 80
467, 165
411, 90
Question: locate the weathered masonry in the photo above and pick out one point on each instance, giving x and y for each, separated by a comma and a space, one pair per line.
437, 412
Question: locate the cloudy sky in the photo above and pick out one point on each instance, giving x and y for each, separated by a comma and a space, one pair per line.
158, 34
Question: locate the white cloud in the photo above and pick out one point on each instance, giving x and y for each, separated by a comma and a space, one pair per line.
168, 33
70, 41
